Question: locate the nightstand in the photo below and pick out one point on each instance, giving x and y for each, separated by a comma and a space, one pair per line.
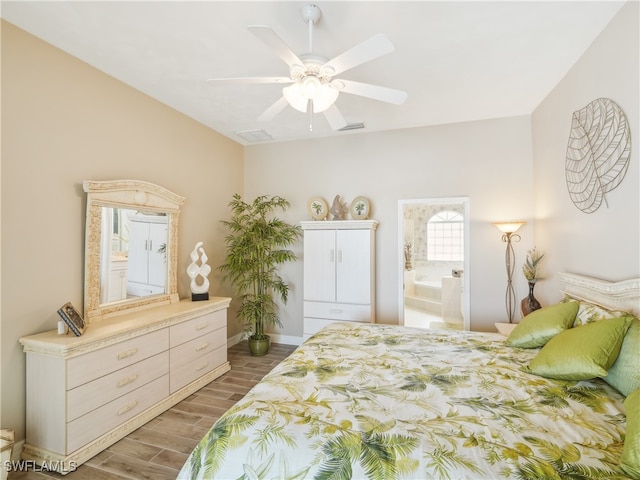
505, 328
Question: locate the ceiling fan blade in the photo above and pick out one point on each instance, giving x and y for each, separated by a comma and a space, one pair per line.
334, 117
273, 110
375, 47
384, 94
248, 80
272, 39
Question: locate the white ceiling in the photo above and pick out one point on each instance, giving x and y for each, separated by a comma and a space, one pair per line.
458, 61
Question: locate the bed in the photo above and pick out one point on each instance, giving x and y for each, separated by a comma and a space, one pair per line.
383, 401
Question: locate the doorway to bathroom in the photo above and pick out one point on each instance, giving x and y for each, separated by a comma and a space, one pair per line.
433, 253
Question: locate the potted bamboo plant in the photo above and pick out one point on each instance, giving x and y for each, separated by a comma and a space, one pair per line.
255, 247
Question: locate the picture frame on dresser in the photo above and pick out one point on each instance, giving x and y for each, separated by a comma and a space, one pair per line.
72, 318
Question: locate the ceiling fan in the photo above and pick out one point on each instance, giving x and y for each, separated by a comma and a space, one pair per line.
313, 87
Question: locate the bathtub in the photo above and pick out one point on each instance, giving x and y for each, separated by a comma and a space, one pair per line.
424, 294
430, 289
440, 297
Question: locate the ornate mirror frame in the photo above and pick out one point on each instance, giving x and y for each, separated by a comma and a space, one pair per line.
136, 195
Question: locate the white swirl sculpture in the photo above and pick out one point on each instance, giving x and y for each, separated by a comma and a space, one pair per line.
195, 270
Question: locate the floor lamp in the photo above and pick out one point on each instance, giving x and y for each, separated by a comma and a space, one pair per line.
509, 235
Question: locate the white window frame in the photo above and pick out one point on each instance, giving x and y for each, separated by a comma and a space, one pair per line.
445, 236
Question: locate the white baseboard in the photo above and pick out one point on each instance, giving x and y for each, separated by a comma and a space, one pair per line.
17, 451
275, 338
285, 339
231, 341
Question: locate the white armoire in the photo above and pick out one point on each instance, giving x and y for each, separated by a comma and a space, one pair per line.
147, 272
339, 272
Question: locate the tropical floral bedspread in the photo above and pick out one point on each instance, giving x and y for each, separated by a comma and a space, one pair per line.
382, 402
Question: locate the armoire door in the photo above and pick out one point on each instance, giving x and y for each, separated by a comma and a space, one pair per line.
138, 253
157, 269
319, 265
353, 266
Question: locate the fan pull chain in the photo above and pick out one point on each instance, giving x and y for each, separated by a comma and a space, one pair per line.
310, 110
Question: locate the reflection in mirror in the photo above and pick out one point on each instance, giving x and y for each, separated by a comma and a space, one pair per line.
133, 254
131, 247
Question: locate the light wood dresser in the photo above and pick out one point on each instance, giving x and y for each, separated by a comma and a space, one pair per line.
85, 393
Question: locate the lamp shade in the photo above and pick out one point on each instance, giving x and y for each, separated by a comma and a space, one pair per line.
326, 97
310, 87
294, 97
509, 227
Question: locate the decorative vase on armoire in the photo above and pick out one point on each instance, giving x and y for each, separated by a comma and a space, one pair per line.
529, 303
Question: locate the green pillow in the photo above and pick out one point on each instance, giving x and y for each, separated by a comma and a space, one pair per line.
581, 352
543, 324
630, 460
624, 374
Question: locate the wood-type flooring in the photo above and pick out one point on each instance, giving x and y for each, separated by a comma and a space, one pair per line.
158, 449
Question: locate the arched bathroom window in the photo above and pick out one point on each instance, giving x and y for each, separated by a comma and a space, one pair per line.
445, 236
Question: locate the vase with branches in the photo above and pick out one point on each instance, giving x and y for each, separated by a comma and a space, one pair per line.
530, 270
256, 246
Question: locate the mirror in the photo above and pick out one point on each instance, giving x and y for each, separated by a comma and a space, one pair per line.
133, 263
130, 247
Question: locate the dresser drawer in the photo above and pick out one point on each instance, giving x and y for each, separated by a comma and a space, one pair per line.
85, 368
338, 311
99, 421
187, 352
196, 327
196, 367
92, 395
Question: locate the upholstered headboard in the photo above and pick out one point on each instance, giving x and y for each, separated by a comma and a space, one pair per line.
623, 295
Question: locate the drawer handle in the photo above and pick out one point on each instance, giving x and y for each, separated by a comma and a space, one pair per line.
128, 353
127, 407
127, 380
202, 325
202, 347
201, 366
335, 310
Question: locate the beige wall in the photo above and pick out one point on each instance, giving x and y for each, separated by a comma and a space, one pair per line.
64, 122
605, 243
487, 161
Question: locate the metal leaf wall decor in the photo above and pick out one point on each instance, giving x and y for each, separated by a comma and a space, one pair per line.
597, 154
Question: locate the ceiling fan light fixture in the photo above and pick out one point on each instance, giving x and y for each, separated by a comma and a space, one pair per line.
326, 97
311, 88
293, 95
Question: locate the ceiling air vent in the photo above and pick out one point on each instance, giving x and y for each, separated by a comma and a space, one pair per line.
254, 135
352, 126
